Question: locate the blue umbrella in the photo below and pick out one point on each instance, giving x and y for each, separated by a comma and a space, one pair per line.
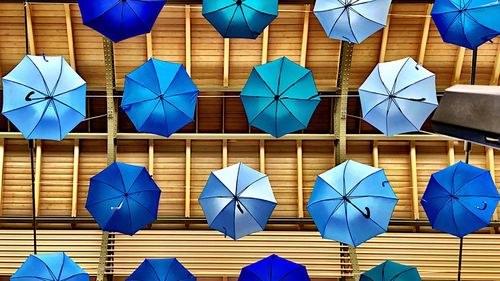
391, 271
240, 18
119, 20
50, 267
352, 20
467, 23
159, 97
280, 97
44, 97
352, 203
398, 96
123, 198
237, 200
274, 268
161, 270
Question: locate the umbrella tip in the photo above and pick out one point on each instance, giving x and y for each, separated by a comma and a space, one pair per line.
239, 2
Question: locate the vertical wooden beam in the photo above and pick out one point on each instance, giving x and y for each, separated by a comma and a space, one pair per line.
187, 11
69, 34
425, 35
187, 199
385, 38
490, 163
496, 68
224, 153
38, 174
31, 36
149, 45
305, 35
300, 181
265, 45
2, 153
459, 63
451, 153
76, 161
226, 63
414, 179
262, 156
375, 158
151, 157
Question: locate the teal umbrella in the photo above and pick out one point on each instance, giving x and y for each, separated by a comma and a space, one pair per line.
391, 271
280, 97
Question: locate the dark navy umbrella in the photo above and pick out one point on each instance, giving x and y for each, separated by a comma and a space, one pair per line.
159, 97
240, 18
120, 19
161, 270
467, 23
50, 267
391, 271
274, 268
123, 198
237, 200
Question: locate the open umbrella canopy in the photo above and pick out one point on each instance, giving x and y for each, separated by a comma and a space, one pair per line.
240, 18
120, 19
159, 97
237, 200
280, 97
44, 97
274, 268
50, 267
123, 198
391, 271
467, 23
161, 270
460, 199
352, 203
398, 96
352, 20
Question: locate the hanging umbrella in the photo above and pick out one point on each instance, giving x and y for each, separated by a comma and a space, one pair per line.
50, 267
240, 18
352, 20
391, 271
159, 97
44, 97
352, 203
398, 96
459, 200
119, 20
467, 23
237, 200
161, 270
123, 198
274, 268
280, 97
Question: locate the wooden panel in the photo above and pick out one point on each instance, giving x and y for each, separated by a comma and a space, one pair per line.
12, 39
318, 157
56, 184
246, 152
17, 179
485, 63
169, 174
440, 58
129, 54
235, 119
49, 30
285, 34
168, 36
365, 58
477, 156
134, 152
281, 166
244, 54
360, 151
206, 157
210, 113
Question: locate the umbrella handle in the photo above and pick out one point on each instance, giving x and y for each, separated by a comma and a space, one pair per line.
239, 207
225, 232
44, 58
485, 205
28, 96
368, 213
385, 182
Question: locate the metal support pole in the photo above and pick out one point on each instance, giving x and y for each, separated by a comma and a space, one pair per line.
31, 144
468, 148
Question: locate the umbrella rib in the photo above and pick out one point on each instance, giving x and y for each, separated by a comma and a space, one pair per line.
58, 78
15, 82
366, 114
363, 15
24, 106
58, 119
325, 200
260, 12
305, 126
230, 22
399, 108
245, 188
154, 270
63, 103
149, 211
237, 180
276, 119
405, 88
308, 99
142, 85
336, 21
401, 273
165, 116
453, 217
178, 109
375, 93
214, 197
35, 277
268, 86
93, 179
102, 201
289, 272
279, 76
465, 207
133, 183
347, 224
168, 271
149, 115
382, 81
373, 196
221, 211
157, 80
41, 75
387, 117
223, 184
397, 76
295, 83
139, 18
350, 25
103, 13
246, 22
470, 180
220, 9
62, 266
447, 30
361, 180
69, 91
39, 120
248, 211
260, 113
475, 20
331, 215
46, 266
259, 199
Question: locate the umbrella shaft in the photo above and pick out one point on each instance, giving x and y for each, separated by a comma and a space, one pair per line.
33, 207
460, 258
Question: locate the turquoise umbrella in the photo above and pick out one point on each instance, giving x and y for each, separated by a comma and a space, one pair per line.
280, 97
391, 271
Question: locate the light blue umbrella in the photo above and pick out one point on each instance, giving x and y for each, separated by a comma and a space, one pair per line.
237, 200
352, 20
44, 97
50, 267
159, 97
240, 18
467, 23
352, 203
398, 96
161, 270
123, 198
391, 271
280, 97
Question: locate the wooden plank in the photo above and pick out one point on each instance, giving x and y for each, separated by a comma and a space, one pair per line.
69, 33
496, 68
425, 35
149, 45
265, 45
262, 156
414, 181
375, 157
458, 65
151, 157
305, 35
76, 161
224, 154
451, 153
187, 11
29, 24
187, 198
226, 63
300, 181
385, 38
38, 173
490, 164
2, 154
